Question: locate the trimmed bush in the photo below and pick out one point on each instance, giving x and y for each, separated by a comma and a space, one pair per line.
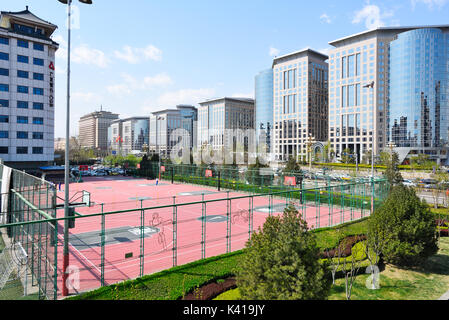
282, 262
405, 228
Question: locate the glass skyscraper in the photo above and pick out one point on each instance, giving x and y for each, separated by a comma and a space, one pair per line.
264, 106
419, 87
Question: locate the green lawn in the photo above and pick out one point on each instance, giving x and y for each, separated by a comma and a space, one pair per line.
429, 282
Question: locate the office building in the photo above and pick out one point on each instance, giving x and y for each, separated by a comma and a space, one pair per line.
300, 103
27, 90
129, 135
93, 129
264, 107
164, 123
386, 86
226, 124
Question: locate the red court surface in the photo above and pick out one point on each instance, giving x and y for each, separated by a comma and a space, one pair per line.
166, 243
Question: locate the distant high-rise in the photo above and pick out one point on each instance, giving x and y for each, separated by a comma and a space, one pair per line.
264, 107
163, 123
406, 100
300, 109
93, 129
219, 119
27, 90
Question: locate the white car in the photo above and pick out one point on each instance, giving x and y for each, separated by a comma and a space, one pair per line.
408, 183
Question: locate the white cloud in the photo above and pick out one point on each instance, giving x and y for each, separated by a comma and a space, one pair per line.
243, 95
274, 52
429, 3
185, 96
131, 84
325, 18
372, 16
324, 50
88, 97
136, 55
85, 55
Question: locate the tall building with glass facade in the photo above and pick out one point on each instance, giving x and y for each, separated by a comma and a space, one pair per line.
219, 119
300, 103
419, 88
370, 73
264, 107
165, 122
27, 90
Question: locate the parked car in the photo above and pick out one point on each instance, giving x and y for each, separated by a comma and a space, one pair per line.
408, 183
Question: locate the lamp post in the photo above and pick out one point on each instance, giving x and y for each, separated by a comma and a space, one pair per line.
159, 143
65, 263
371, 86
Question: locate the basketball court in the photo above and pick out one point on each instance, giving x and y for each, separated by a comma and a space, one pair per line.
148, 228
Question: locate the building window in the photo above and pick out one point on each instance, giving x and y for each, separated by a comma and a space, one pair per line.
38, 120
22, 120
4, 150
22, 150
38, 91
38, 106
4, 119
4, 134
38, 46
4, 72
38, 135
22, 104
4, 40
38, 150
22, 43
38, 62
4, 56
22, 135
22, 89
4, 103
22, 59
22, 74
4, 87
38, 76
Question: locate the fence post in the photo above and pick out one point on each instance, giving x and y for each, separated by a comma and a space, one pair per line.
228, 224
203, 228
142, 238
175, 234
103, 230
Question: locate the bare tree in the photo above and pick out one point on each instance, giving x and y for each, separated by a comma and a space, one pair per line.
334, 257
373, 250
351, 266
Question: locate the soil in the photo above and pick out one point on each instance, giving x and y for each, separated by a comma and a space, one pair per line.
211, 290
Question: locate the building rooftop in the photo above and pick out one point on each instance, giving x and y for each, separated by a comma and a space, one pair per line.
245, 100
302, 52
384, 29
26, 17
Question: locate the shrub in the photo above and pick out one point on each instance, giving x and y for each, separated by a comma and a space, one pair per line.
405, 228
282, 262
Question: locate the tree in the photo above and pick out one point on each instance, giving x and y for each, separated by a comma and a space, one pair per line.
347, 156
281, 262
292, 166
392, 173
442, 178
254, 176
404, 227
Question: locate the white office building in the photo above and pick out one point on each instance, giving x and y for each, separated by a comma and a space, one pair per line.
27, 90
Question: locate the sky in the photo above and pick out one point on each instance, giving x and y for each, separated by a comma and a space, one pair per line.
139, 56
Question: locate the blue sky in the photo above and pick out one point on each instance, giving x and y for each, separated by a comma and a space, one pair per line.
135, 57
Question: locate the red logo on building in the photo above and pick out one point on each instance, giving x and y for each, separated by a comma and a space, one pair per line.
51, 66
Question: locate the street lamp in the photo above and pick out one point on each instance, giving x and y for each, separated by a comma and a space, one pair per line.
158, 134
65, 263
371, 86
